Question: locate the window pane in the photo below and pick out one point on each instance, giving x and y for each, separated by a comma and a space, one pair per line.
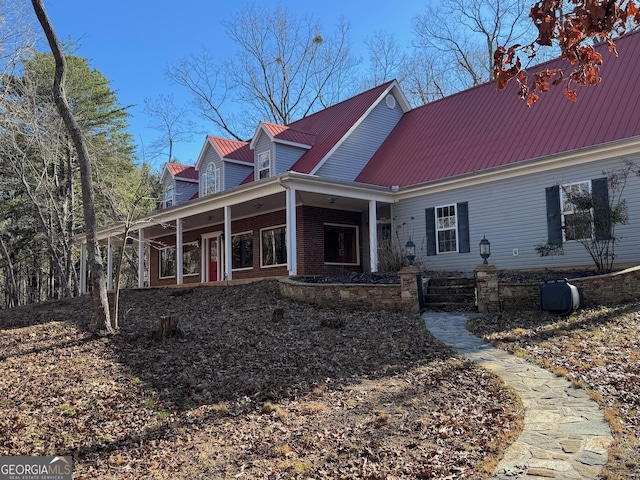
446, 228
191, 258
242, 250
577, 211
577, 226
340, 244
167, 262
447, 241
264, 164
274, 246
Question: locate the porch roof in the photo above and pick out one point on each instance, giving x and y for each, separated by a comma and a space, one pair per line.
249, 195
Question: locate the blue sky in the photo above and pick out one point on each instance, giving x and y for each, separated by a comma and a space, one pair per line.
131, 42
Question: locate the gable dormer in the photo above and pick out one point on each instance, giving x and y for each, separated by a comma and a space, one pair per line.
179, 184
276, 148
223, 164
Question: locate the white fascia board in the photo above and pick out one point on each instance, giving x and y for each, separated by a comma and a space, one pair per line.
261, 127
313, 184
353, 127
292, 144
163, 177
238, 162
400, 96
189, 180
527, 167
202, 154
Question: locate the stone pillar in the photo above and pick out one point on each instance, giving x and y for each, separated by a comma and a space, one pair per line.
487, 289
409, 289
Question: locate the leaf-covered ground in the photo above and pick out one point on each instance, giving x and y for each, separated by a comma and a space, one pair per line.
320, 394
598, 349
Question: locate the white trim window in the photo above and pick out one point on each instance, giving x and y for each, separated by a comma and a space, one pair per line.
167, 258
447, 229
273, 246
212, 180
191, 258
264, 165
341, 244
242, 251
168, 196
576, 221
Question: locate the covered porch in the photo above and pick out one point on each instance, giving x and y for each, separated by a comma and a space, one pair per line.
291, 224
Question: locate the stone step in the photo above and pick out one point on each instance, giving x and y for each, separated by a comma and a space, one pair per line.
450, 294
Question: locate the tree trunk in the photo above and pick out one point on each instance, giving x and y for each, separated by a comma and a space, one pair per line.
98, 286
168, 327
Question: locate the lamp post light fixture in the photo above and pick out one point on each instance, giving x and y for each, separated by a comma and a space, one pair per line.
485, 249
410, 251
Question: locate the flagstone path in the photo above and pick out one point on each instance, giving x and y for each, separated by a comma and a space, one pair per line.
565, 435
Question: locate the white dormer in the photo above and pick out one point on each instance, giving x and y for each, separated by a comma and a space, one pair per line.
276, 148
223, 164
179, 184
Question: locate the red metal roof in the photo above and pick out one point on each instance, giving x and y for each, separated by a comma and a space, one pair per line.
233, 149
330, 125
482, 128
326, 127
182, 171
288, 134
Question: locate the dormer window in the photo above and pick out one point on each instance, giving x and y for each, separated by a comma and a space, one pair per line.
212, 181
264, 164
168, 196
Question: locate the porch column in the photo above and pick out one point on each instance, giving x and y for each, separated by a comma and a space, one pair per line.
292, 248
140, 258
83, 268
179, 262
373, 235
228, 260
109, 264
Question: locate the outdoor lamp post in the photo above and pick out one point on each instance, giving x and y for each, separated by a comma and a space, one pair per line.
485, 249
410, 251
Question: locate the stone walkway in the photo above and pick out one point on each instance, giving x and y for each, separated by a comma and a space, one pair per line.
565, 435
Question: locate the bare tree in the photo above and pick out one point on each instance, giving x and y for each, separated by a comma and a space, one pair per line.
284, 69
461, 36
101, 314
387, 58
17, 35
171, 122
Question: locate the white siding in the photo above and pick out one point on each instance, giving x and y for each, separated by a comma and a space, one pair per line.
354, 153
512, 215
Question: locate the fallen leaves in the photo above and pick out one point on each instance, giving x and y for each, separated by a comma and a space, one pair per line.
319, 393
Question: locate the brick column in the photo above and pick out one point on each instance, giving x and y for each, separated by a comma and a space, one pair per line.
409, 289
487, 289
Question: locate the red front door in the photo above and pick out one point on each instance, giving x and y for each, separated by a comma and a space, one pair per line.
213, 259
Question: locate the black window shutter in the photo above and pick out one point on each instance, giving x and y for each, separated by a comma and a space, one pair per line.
431, 231
601, 218
554, 217
463, 227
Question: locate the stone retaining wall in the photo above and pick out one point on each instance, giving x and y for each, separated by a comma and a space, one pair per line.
393, 297
492, 296
599, 290
345, 295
